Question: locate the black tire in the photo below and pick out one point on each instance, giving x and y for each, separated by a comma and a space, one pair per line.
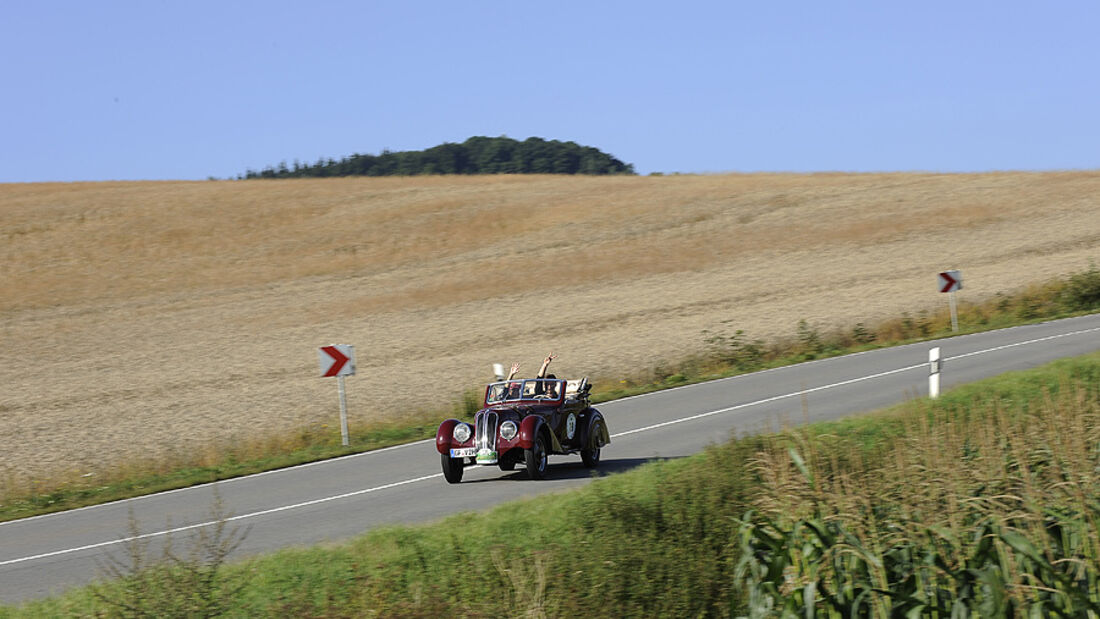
452, 468
507, 465
591, 456
536, 458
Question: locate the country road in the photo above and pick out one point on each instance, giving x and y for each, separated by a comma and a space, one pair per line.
337, 499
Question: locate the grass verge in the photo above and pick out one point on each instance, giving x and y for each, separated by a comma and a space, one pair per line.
967, 486
728, 351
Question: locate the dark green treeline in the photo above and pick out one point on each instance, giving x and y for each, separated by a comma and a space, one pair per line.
477, 155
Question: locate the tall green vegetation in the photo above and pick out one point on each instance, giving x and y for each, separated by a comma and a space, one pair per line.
477, 155
977, 509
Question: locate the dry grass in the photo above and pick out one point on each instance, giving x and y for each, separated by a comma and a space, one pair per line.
161, 319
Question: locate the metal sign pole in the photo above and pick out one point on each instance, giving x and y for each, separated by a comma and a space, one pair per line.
343, 410
954, 313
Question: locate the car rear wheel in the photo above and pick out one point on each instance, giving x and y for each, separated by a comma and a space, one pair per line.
591, 456
507, 465
452, 468
536, 458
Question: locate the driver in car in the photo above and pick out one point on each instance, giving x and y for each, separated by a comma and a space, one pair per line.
550, 390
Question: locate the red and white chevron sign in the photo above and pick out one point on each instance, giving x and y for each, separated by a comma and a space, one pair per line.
337, 360
950, 281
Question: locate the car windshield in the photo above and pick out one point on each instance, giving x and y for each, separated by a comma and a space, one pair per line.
530, 389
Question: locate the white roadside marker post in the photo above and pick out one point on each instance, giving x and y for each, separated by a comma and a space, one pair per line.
339, 360
934, 367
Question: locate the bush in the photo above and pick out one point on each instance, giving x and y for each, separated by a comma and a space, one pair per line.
861, 335
735, 351
1082, 291
812, 344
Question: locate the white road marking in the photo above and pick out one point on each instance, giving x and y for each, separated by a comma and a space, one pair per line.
230, 519
426, 477
1041, 339
220, 482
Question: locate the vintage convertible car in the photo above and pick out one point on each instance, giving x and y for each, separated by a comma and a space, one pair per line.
524, 422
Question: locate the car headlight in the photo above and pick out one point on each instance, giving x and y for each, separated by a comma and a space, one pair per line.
508, 430
461, 433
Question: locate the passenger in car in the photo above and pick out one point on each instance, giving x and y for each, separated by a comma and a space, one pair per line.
545, 364
512, 374
546, 389
513, 391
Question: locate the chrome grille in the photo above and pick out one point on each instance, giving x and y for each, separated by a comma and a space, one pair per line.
487, 431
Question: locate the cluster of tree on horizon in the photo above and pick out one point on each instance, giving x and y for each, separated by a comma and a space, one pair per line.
477, 155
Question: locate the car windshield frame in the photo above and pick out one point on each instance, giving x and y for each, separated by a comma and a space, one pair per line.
525, 390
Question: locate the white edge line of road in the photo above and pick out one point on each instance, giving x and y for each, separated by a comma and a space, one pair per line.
426, 477
219, 482
204, 524
771, 399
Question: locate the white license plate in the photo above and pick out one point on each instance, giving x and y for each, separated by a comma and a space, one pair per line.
463, 452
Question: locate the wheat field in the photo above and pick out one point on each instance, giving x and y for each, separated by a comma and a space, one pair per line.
158, 320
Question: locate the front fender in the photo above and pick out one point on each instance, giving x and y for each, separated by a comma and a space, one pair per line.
529, 428
444, 436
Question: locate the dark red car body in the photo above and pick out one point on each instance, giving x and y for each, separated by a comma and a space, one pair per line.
524, 422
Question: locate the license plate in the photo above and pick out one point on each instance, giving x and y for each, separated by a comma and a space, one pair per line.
463, 452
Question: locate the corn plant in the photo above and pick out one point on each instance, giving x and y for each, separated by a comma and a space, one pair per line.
987, 512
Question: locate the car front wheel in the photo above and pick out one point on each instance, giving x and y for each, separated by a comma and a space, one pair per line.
536, 459
452, 468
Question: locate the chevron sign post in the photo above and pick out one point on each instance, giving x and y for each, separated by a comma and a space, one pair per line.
339, 360
949, 282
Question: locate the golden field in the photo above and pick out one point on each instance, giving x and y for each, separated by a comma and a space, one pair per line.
163, 319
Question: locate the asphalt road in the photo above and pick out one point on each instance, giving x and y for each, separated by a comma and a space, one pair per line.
337, 499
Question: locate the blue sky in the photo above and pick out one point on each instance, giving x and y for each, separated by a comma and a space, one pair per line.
185, 90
